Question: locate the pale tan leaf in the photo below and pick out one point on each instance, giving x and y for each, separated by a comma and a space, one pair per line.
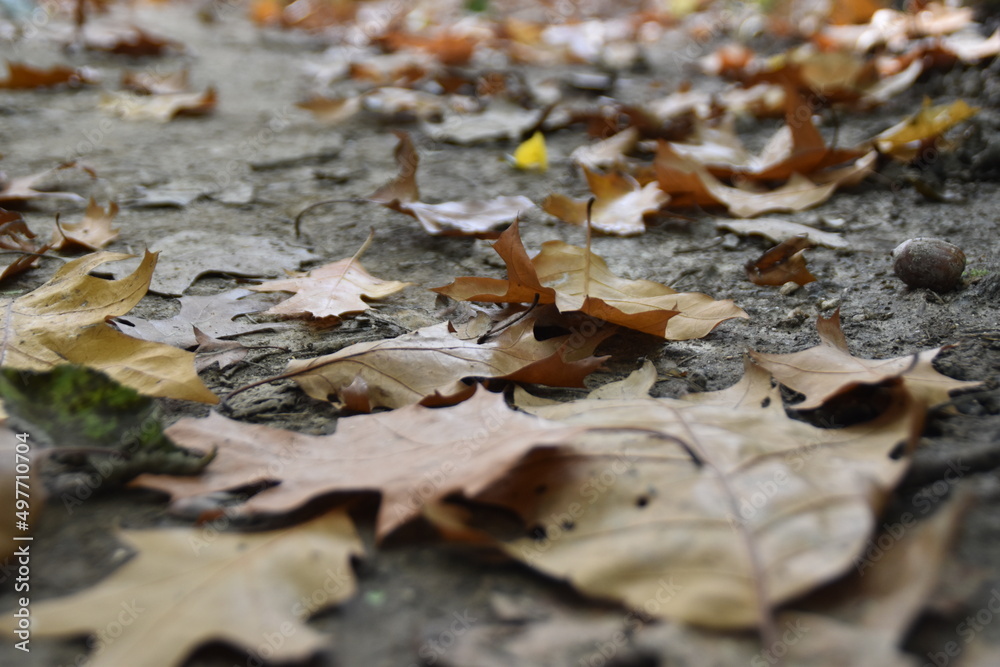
737, 510
186, 587
829, 369
161, 108
412, 456
92, 233
434, 366
619, 206
332, 290
64, 321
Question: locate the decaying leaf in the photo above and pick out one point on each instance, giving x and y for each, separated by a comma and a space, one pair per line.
413, 456
500, 120
434, 366
162, 108
22, 189
467, 218
331, 111
783, 263
92, 233
107, 430
148, 82
829, 369
754, 390
132, 41
25, 77
332, 290
186, 587
64, 321
189, 254
609, 152
619, 206
575, 279
778, 230
798, 194
214, 315
215, 352
903, 139
15, 235
719, 514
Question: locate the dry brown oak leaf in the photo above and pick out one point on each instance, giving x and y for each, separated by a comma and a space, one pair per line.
63, 321
184, 589
92, 233
796, 148
331, 290
619, 205
478, 218
575, 279
718, 514
829, 369
431, 365
413, 456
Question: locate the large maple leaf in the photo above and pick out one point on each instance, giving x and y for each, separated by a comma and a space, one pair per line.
187, 587
63, 321
717, 513
575, 279
413, 456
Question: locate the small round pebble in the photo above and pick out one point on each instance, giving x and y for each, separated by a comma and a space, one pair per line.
931, 263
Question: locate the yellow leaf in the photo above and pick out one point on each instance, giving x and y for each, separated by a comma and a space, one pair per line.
928, 123
532, 154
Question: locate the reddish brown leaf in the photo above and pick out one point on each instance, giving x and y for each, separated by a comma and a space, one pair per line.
783, 263
25, 77
577, 280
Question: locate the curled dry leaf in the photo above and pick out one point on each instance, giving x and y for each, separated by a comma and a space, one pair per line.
829, 369
22, 189
903, 139
92, 233
798, 194
161, 108
331, 290
15, 235
331, 111
778, 230
214, 315
477, 218
134, 42
737, 510
619, 206
192, 253
215, 352
147, 82
434, 366
399, 454
184, 589
607, 153
575, 279
64, 321
501, 120
25, 77
783, 263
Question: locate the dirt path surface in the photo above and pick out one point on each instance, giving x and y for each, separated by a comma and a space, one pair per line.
417, 598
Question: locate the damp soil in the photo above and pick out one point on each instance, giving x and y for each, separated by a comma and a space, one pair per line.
411, 587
